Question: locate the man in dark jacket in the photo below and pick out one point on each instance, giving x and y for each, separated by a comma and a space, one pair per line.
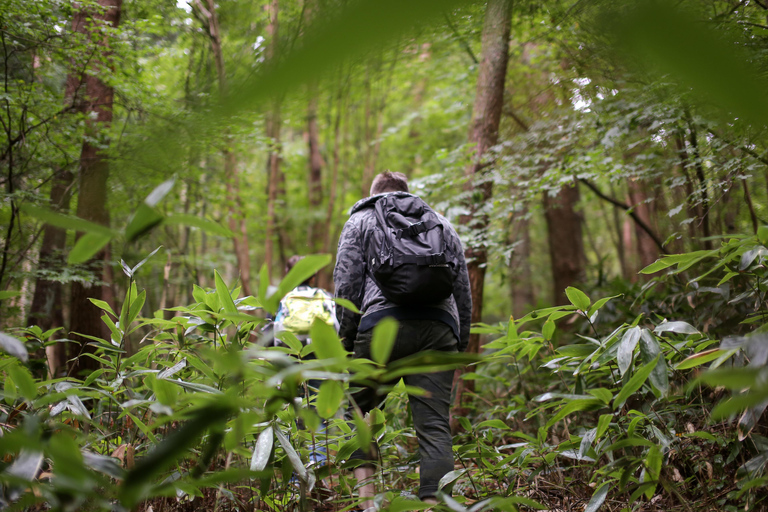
442, 326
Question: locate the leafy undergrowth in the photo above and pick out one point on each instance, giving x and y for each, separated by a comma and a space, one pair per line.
652, 400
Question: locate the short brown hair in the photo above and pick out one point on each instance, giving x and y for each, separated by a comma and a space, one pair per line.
293, 260
389, 182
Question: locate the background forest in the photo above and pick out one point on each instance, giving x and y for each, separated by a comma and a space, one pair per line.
605, 164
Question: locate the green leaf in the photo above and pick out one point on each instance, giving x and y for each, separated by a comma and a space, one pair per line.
103, 305
142, 262
66, 221
731, 378
135, 309
578, 350
493, 424
578, 298
159, 192
225, 298
676, 327
23, 380
329, 398
428, 362
144, 219
737, 404
700, 358
762, 234
650, 350
384, 335
13, 347
627, 348
673, 41
325, 341
347, 304
303, 270
599, 304
637, 380
574, 406
548, 330
87, 246
602, 424
8, 294
598, 497
263, 450
165, 454
653, 462
657, 265
601, 394
198, 222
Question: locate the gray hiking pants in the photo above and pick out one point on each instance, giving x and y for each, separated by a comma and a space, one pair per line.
430, 412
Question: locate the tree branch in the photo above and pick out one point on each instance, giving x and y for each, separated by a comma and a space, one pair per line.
626, 208
463, 42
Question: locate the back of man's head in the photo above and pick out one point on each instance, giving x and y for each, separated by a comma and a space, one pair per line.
389, 182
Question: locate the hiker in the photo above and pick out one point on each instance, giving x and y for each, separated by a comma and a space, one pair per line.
398, 258
295, 314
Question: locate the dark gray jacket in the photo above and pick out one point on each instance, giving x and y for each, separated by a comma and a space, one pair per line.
353, 282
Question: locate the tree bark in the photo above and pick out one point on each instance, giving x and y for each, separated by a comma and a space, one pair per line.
566, 245
237, 225
484, 133
47, 310
520, 273
273, 134
92, 191
647, 250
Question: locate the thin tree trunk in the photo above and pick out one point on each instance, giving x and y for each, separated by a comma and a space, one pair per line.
484, 133
520, 272
566, 244
47, 303
92, 195
273, 134
316, 162
699, 169
236, 217
647, 251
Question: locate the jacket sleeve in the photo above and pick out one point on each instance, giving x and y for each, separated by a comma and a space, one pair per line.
462, 294
349, 280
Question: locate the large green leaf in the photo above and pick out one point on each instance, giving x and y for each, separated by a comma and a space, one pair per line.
384, 335
87, 246
329, 398
650, 350
198, 222
225, 298
66, 221
169, 450
144, 219
637, 380
301, 271
664, 37
263, 450
578, 298
13, 346
627, 348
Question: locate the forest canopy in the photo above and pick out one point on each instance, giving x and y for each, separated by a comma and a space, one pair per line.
604, 163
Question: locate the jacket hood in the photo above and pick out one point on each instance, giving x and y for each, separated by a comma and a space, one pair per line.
371, 200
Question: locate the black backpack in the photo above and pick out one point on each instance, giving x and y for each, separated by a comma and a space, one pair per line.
407, 254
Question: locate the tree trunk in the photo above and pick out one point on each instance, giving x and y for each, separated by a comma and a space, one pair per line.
47, 303
231, 174
520, 273
273, 134
484, 132
566, 245
647, 250
315, 234
92, 193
